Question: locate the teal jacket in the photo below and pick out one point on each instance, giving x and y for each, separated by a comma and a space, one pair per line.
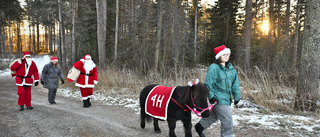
222, 83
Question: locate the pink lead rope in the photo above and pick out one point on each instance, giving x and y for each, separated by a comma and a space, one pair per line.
202, 110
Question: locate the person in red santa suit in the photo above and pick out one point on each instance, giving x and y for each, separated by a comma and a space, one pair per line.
26, 74
87, 79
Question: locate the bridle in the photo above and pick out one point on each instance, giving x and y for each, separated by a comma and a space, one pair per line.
210, 106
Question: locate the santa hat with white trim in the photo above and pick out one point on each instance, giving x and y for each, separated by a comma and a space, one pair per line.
87, 57
54, 58
221, 50
25, 54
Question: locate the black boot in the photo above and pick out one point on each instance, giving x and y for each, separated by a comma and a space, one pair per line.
89, 103
199, 129
30, 107
21, 108
85, 103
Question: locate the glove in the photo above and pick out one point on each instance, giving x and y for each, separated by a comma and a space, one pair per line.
22, 61
36, 83
213, 100
62, 81
236, 102
42, 82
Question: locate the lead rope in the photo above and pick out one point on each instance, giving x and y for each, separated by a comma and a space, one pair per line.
202, 110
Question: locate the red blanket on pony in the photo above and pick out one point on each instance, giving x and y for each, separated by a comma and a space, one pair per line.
157, 101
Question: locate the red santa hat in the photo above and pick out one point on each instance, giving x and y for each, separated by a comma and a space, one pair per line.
54, 58
25, 54
87, 57
221, 50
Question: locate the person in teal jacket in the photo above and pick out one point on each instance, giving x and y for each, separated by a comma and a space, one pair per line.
223, 84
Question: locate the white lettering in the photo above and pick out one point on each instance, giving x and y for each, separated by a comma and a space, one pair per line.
159, 101
153, 98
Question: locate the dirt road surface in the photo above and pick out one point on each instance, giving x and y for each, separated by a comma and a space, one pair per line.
68, 118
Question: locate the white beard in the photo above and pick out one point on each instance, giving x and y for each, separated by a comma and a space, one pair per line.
29, 61
88, 65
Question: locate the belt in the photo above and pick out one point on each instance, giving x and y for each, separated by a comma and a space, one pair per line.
86, 74
23, 77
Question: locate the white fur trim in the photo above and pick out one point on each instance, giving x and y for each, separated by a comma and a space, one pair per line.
84, 86
26, 55
95, 82
224, 51
54, 60
87, 57
197, 81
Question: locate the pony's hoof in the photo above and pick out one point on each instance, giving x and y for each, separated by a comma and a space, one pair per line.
157, 130
142, 126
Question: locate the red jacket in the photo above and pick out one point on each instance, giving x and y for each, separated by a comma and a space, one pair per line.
88, 78
25, 75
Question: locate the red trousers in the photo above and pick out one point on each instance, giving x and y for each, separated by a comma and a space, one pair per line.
86, 93
24, 96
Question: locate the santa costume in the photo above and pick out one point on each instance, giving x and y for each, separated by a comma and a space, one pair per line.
26, 74
87, 79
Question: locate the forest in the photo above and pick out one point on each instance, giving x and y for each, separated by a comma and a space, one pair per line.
274, 42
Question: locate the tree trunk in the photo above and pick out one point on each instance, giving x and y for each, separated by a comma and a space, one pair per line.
271, 4
34, 38
3, 37
10, 35
247, 35
30, 42
62, 43
18, 37
50, 34
54, 38
116, 32
74, 16
308, 80
195, 31
101, 30
288, 19
296, 37
38, 34
50, 39
159, 29
3, 43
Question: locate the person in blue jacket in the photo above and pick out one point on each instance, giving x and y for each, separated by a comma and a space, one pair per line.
50, 78
223, 84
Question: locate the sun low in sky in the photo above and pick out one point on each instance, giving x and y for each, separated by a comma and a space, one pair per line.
265, 27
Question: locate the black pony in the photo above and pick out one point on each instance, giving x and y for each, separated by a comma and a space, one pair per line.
194, 96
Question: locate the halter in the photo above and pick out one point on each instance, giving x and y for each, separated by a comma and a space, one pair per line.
195, 111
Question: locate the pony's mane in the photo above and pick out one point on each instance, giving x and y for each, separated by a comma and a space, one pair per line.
197, 90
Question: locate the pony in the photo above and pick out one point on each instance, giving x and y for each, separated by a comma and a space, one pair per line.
183, 100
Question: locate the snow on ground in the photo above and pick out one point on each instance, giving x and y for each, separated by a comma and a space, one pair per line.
249, 114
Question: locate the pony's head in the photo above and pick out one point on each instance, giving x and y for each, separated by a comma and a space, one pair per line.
199, 98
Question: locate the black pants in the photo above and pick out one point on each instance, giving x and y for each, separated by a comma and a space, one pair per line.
52, 95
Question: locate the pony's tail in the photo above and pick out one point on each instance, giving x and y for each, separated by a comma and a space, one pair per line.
144, 118
148, 118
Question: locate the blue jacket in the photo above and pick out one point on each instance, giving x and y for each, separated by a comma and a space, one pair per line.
50, 76
222, 83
